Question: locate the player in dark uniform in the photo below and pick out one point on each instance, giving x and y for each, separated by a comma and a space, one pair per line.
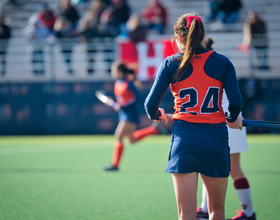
127, 98
199, 142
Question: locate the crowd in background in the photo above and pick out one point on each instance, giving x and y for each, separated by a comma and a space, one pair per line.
104, 18
113, 18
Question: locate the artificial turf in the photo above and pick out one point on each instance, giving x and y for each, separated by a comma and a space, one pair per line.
61, 177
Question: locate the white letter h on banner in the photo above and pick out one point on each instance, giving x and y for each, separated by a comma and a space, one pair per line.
145, 62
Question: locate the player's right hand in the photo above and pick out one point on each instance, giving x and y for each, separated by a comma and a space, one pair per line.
163, 116
237, 124
116, 107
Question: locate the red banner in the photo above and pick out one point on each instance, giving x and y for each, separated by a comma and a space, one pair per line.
145, 57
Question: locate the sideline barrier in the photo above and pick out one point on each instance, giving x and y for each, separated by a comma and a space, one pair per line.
72, 108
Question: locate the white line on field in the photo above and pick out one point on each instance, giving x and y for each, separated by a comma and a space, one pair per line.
55, 147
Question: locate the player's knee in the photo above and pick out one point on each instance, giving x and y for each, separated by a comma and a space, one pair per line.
118, 137
236, 174
132, 141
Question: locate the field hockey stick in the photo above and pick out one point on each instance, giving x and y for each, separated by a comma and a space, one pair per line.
106, 100
245, 122
261, 124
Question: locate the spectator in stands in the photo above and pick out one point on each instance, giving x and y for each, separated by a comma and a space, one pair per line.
88, 31
155, 16
15, 3
134, 29
36, 33
106, 2
5, 34
97, 22
255, 38
67, 10
93, 15
65, 33
214, 6
46, 16
108, 26
120, 12
229, 10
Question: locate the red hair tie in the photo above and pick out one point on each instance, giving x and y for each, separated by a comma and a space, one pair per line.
190, 18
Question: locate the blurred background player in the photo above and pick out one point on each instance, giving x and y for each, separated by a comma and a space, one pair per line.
237, 144
127, 97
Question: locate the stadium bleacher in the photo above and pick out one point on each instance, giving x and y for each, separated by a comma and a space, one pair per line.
226, 37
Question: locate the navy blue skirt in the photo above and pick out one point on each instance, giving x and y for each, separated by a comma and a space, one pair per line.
201, 148
129, 113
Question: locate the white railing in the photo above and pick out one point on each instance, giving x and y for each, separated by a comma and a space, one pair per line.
59, 60
91, 61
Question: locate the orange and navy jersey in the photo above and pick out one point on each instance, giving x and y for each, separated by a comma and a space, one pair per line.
125, 92
198, 94
198, 98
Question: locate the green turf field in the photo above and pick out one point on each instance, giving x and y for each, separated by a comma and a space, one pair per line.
61, 177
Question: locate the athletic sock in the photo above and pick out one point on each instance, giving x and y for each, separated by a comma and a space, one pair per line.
244, 194
118, 151
142, 133
204, 201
